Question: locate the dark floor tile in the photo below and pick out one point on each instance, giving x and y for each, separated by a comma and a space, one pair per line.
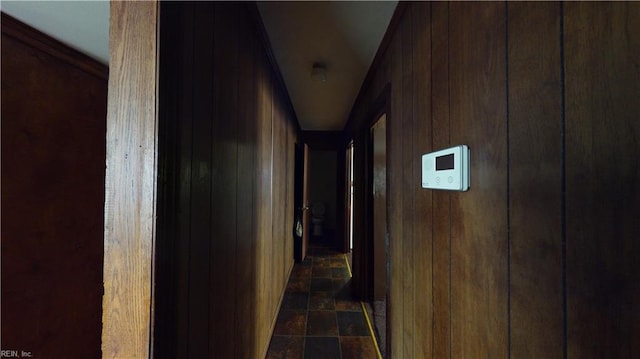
341, 284
295, 300
348, 305
338, 263
307, 262
321, 285
321, 272
285, 347
340, 273
322, 323
321, 262
291, 322
321, 348
357, 348
352, 324
346, 293
345, 299
322, 301
301, 272
298, 285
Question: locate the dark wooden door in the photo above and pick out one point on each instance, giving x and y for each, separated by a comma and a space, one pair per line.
379, 252
379, 192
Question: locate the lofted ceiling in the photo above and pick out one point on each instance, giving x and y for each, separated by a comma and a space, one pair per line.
342, 35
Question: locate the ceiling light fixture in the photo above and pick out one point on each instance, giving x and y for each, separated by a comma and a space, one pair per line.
319, 72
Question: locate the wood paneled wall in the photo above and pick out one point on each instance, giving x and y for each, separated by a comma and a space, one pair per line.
537, 258
54, 105
225, 245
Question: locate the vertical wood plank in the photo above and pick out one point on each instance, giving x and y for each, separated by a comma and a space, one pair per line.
202, 168
422, 223
245, 210
441, 199
290, 211
407, 212
185, 163
394, 126
602, 77
478, 217
224, 151
171, 257
263, 193
535, 171
277, 210
130, 182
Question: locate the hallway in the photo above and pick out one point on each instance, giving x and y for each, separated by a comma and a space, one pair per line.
319, 318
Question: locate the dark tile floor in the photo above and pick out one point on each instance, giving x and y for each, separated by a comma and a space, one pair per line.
319, 318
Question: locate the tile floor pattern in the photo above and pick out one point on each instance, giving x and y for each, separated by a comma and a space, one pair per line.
319, 317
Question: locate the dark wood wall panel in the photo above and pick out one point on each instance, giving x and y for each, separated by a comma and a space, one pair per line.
406, 273
602, 79
233, 154
422, 316
479, 217
201, 224
184, 131
223, 145
245, 241
536, 259
441, 201
535, 179
54, 105
394, 214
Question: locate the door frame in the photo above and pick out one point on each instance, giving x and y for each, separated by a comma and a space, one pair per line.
131, 181
363, 204
301, 200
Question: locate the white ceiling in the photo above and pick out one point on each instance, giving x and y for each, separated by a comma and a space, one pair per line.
83, 25
344, 35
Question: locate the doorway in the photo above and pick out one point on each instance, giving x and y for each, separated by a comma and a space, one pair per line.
349, 191
301, 202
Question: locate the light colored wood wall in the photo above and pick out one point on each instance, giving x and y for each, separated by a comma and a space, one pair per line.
130, 188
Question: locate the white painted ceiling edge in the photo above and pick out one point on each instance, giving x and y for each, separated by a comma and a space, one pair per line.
82, 25
344, 35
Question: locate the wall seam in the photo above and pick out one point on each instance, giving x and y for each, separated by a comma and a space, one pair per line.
508, 189
449, 196
563, 183
212, 178
412, 200
236, 136
433, 316
191, 105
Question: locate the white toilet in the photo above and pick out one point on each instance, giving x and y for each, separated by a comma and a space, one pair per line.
317, 218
